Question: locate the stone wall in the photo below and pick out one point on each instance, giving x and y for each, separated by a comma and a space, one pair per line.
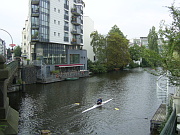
29, 74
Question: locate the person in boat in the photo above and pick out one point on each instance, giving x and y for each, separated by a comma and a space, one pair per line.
99, 101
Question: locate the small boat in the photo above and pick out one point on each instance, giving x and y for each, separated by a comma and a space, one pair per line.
72, 78
95, 106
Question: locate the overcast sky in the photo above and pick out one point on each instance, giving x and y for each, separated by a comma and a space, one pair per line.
134, 17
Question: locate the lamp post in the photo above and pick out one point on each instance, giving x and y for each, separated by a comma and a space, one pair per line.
12, 45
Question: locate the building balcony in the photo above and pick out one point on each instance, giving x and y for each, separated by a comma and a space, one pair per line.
34, 38
76, 21
78, 1
66, 39
76, 41
66, 17
35, 14
76, 31
66, 6
34, 2
35, 26
66, 28
76, 11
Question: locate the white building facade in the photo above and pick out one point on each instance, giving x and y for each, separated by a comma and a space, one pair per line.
88, 29
54, 32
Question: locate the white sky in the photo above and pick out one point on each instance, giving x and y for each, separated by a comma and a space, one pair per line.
134, 17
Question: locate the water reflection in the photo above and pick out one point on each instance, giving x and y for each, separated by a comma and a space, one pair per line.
52, 106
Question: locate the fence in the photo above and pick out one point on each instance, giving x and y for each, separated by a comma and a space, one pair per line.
170, 127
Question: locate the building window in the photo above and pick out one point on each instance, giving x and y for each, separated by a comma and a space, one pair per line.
54, 21
58, 22
58, 10
58, 34
66, 15
54, 33
66, 36
54, 9
66, 26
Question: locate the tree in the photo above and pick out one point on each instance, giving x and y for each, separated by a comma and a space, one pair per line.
99, 45
115, 29
17, 51
135, 52
117, 49
171, 48
111, 50
153, 40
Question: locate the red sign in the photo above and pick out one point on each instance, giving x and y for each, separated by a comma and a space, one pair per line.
12, 45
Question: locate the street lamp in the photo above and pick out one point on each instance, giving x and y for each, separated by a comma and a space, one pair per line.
12, 45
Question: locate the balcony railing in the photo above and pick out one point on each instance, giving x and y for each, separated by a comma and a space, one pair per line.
35, 2
76, 21
76, 11
76, 41
79, 1
35, 26
76, 31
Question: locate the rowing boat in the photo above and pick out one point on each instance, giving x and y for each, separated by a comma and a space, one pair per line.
95, 106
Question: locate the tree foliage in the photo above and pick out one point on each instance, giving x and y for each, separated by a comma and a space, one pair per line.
96, 67
153, 40
99, 44
135, 52
111, 50
17, 51
117, 51
115, 29
171, 49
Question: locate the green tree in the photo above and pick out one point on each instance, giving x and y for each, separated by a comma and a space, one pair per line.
153, 40
171, 48
117, 49
115, 29
17, 51
135, 52
98, 43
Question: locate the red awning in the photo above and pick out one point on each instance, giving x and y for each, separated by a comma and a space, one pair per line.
70, 65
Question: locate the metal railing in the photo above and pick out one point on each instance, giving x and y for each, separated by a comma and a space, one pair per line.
170, 127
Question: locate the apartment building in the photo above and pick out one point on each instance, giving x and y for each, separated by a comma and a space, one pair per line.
2, 47
54, 32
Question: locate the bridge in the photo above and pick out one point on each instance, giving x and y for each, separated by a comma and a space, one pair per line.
8, 116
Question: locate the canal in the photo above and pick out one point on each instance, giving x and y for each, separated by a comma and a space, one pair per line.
58, 106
